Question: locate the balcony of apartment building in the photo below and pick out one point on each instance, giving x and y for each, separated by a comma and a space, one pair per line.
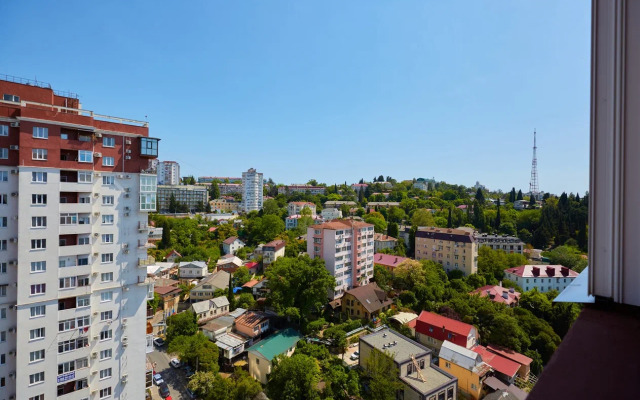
75, 181
73, 386
74, 244
598, 357
68, 307
77, 202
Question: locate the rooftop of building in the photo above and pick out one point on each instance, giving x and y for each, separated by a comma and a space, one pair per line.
498, 293
251, 318
463, 357
388, 260
218, 280
230, 240
339, 224
228, 341
497, 362
276, 344
398, 346
302, 203
542, 271
449, 234
165, 290
193, 264
510, 354
372, 298
448, 324
274, 245
404, 317
206, 305
380, 237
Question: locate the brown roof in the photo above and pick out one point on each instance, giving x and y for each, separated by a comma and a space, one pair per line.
388, 260
164, 290
342, 224
302, 203
251, 283
230, 240
384, 238
251, 318
371, 297
457, 235
165, 282
276, 244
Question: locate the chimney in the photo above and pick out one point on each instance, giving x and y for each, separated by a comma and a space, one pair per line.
505, 295
535, 271
396, 260
551, 271
512, 290
500, 284
564, 271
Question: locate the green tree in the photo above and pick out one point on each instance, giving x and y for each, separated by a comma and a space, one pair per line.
165, 242
241, 276
196, 350
230, 295
209, 386
155, 303
270, 206
173, 204
507, 332
181, 324
338, 338
245, 300
379, 224
519, 197
422, 217
532, 201
480, 196
214, 191
498, 222
300, 283
383, 374
392, 229
512, 195
294, 378
246, 388
450, 219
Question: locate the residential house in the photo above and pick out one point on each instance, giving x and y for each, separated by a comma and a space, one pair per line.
433, 329
252, 266
161, 269
508, 244
229, 263
207, 286
521, 359
296, 207
272, 251
252, 324
231, 347
421, 379
467, 366
339, 203
454, 249
545, 278
215, 327
405, 318
193, 269
388, 261
260, 289
291, 222
505, 369
499, 294
359, 186
381, 242
231, 245
346, 246
173, 256
209, 309
262, 353
170, 295
376, 205
365, 302
155, 234
520, 204
329, 214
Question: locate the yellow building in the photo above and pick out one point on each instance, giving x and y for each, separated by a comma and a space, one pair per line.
365, 302
224, 205
466, 365
261, 355
454, 249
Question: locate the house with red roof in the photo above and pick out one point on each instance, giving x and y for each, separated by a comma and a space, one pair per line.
545, 278
499, 294
505, 369
388, 261
521, 359
433, 329
173, 256
252, 266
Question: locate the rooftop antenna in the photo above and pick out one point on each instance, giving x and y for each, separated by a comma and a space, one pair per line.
533, 184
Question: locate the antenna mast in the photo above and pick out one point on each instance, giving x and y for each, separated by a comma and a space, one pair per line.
533, 184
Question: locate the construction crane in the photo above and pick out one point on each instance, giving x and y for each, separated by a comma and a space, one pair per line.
417, 368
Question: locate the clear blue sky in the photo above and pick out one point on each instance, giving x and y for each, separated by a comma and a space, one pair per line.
332, 90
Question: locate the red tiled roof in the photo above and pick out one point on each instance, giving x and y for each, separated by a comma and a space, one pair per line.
342, 224
172, 252
496, 292
251, 283
544, 271
440, 328
510, 354
302, 203
250, 264
213, 229
388, 260
251, 318
497, 362
384, 238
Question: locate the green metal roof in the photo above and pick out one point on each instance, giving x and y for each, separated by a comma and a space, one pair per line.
277, 344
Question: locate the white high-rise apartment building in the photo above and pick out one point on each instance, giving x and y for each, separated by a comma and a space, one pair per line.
168, 173
252, 190
75, 191
347, 248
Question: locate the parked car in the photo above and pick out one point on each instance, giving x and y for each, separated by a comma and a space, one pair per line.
191, 394
157, 379
158, 341
175, 363
164, 390
189, 373
355, 355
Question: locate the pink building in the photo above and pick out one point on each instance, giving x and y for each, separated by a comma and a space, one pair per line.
347, 248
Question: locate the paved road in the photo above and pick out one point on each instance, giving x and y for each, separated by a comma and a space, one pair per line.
175, 378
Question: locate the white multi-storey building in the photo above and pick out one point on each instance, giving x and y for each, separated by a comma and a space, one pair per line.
252, 190
168, 173
545, 278
346, 246
74, 196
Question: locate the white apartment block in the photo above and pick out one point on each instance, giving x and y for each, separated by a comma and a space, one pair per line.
252, 190
347, 248
330, 213
545, 278
168, 173
73, 230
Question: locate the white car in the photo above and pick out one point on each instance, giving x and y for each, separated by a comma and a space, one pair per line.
175, 363
355, 355
157, 379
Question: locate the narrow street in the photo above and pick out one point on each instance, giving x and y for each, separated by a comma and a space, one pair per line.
175, 378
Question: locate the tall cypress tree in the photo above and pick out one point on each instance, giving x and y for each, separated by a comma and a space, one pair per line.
519, 197
166, 236
532, 201
449, 220
480, 196
512, 195
230, 296
498, 216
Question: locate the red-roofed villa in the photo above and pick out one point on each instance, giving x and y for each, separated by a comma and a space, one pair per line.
433, 329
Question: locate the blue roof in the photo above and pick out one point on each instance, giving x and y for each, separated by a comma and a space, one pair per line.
277, 344
237, 289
